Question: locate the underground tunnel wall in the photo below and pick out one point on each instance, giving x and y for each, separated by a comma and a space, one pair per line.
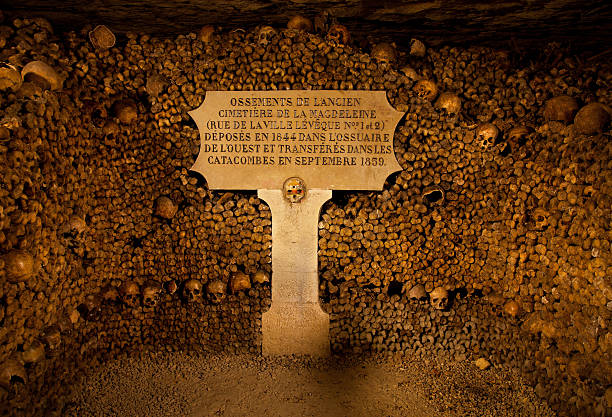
493, 241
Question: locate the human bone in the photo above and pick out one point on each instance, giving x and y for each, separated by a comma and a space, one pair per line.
215, 291
450, 103
511, 308
239, 281
155, 85
592, 119
110, 294
561, 108
102, 37
426, 89
433, 194
10, 78
19, 265
294, 189
171, 287
125, 111
417, 48
34, 352
206, 33
11, 372
486, 135
439, 298
410, 73
129, 292
519, 133
384, 53
165, 208
265, 35
42, 74
150, 293
417, 293
300, 23
339, 34
261, 277
91, 308
192, 290
52, 338
75, 225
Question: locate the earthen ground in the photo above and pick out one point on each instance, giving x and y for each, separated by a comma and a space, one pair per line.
197, 386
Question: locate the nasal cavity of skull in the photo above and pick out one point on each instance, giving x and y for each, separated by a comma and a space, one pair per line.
394, 288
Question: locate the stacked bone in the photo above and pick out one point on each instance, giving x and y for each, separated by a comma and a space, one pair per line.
492, 242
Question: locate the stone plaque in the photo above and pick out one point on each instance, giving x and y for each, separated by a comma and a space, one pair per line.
332, 140
294, 148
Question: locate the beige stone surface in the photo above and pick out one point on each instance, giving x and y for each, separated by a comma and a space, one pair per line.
295, 324
333, 140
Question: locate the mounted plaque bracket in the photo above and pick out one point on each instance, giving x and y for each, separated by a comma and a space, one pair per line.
294, 147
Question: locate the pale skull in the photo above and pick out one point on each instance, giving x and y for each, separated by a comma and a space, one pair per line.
265, 35
294, 189
130, 293
439, 298
192, 291
215, 291
239, 282
150, 293
383, 53
417, 293
339, 34
417, 48
486, 135
449, 103
426, 89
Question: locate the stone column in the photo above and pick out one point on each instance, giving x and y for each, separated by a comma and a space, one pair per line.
295, 323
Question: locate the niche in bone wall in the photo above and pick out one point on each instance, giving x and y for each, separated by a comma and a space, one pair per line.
492, 242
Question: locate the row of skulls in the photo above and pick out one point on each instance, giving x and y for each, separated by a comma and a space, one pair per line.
193, 290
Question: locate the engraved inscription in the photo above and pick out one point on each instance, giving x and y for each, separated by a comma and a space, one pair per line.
331, 139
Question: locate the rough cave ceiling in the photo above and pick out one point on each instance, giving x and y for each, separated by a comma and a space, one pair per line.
580, 23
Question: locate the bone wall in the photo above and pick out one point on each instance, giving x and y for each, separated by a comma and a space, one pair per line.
501, 212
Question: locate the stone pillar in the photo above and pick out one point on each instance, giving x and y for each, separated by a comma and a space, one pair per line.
295, 323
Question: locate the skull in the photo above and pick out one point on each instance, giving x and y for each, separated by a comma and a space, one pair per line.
165, 208
339, 34
42, 74
486, 135
426, 89
265, 35
261, 277
10, 78
52, 338
33, 353
592, 119
439, 298
75, 226
130, 293
206, 33
561, 108
417, 293
540, 217
150, 293
12, 372
155, 85
449, 103
417, 48
102, 38
410, 73
511, 308
239, 282
294, 189
192, 291
519, 134
19, 265
125, 111
91, 308
383, 53
171, 287
215, 291
300, 23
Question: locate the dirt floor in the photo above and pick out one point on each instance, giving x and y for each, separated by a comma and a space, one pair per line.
196, 386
